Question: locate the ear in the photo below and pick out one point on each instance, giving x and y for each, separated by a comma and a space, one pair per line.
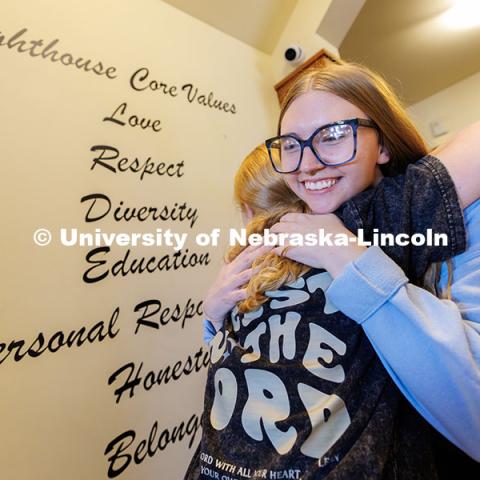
383, 155
247, 213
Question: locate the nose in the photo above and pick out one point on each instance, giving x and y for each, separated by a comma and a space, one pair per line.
310, 164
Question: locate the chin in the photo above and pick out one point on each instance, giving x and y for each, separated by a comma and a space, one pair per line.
322, 206
322, 202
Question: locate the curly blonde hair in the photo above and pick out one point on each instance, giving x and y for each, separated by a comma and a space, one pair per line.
257, 185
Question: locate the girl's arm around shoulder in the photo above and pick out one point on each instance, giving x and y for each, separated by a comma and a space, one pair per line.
461, 157
430, 346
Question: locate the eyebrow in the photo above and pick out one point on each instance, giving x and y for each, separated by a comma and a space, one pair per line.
316, 128
321, 126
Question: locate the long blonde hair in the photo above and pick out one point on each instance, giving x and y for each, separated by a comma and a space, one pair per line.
266, 193
257, 185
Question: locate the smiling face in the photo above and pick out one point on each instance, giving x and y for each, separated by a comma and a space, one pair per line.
323, 188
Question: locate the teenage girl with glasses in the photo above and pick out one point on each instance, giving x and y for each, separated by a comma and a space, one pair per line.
298, 384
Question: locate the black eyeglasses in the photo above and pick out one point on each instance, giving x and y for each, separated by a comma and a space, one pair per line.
332, 144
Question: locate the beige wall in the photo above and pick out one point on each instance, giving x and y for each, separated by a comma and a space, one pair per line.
58, 411
301, 30
455, 108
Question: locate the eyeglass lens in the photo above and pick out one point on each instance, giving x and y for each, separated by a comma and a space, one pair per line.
334, 145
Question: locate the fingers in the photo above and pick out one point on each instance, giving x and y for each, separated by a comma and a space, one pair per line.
285, 227
293, 217
284, 251
245, 276
240, 294
245, 259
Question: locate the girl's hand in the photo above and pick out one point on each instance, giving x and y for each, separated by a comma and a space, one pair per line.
330, 256
225, 291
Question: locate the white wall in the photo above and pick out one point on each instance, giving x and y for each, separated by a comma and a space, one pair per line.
58, 411
455, 108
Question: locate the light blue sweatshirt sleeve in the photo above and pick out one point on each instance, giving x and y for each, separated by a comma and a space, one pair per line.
208, 331
429, 346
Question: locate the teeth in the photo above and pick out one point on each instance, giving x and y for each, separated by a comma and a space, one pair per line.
320, 185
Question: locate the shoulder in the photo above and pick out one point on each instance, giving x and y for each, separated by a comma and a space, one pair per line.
461, 157
464, 144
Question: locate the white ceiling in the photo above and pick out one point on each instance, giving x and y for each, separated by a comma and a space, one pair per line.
258, 23
407, 41
403, 39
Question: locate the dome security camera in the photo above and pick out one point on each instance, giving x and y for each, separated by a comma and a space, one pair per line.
293, 54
